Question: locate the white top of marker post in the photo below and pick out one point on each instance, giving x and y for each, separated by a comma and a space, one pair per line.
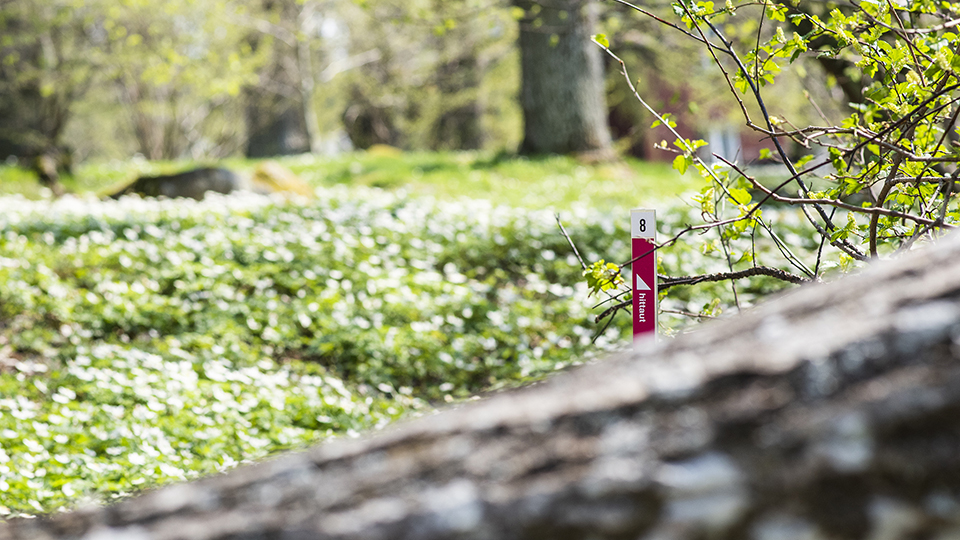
643, 223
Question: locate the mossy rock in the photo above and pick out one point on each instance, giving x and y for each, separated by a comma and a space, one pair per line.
272, 177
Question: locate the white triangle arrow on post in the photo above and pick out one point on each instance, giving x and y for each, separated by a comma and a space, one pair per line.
641, 286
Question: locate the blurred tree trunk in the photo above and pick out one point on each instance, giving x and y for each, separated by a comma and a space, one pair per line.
562, 88
35, 96
308, 78
459, 126
276, 111
275, 125
146, 119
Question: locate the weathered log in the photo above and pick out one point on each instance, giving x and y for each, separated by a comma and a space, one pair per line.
832, 412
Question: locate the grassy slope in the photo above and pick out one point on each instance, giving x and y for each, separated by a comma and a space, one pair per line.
542, 183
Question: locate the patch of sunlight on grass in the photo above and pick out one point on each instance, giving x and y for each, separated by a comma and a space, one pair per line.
534, 182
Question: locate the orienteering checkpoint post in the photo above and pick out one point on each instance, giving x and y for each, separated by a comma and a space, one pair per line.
643, 228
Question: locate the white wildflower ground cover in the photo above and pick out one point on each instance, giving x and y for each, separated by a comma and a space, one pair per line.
145, 342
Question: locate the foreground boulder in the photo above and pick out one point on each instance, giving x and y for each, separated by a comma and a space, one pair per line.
830, 413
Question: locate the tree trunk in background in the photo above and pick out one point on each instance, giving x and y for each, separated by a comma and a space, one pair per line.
275, 126
832, 413
460, 127
147, 118
562, 87
367, 123
308, 79
33, 121
276, 112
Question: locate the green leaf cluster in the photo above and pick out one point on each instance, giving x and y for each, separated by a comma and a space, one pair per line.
875, 177
602, 276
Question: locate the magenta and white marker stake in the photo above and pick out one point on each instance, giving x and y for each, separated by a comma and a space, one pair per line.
643, 228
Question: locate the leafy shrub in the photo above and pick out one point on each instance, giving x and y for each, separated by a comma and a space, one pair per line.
871, 184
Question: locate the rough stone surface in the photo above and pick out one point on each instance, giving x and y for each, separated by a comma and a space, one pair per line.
193, 184
830, 413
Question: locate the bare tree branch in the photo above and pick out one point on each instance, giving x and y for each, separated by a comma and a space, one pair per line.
665, 282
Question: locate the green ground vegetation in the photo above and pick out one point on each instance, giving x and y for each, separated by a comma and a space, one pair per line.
149, 341
536, 182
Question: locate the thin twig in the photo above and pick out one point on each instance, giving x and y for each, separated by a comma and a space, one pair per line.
688, 314
909, 42
688, 229
611, 310
908, 154
947, 189
570, 240
930, 30
828, 202
755, 90
671, 25
611, 298
823, 242
784, 249
882, 198
602, 330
